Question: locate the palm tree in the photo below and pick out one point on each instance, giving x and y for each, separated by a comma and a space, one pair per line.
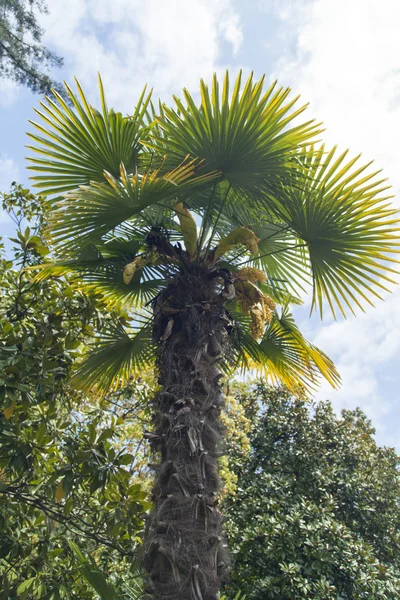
205, 224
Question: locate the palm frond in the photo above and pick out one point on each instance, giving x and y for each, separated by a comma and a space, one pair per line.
277, 290
351, 231
283, 354
104, 277
75, 145
114, 358
282, 255
100, 270
247, 137
134, 591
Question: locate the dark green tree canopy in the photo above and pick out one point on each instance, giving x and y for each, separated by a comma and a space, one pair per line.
23, 58
317, 512
68, 482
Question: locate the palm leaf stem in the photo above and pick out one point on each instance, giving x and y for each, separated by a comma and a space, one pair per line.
206, 217
217, 219
287, 248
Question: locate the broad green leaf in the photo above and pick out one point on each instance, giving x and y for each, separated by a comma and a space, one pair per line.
25, 585
93, 575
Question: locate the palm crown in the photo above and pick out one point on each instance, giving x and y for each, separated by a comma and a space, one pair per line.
238, 185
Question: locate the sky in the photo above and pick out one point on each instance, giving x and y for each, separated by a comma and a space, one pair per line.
342, 56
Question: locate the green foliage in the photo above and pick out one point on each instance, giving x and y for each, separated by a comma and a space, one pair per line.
66, 474
316, 510
347, 238
22, 55
73, 469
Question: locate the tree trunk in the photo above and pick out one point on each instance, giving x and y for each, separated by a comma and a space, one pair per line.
185, 554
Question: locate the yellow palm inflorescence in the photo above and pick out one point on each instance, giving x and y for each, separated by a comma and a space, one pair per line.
250, 274
252, 300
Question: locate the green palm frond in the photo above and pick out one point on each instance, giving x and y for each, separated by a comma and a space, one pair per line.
116, 355
283, 354
99, 270
104, 277
134, 591
350, 229
248, 136
246, 350
277, 290
281, 254
85, 215
138, 227
75, 145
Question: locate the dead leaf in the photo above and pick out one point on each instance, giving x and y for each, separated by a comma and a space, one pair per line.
168, 330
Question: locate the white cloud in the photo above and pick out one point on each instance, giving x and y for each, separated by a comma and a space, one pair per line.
167, 44
361, 348
347, 64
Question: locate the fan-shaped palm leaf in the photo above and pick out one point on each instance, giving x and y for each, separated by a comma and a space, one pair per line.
115, 356
351, 233
246, 136
79, 143
84, 216
104, 277
283, 354
281, 253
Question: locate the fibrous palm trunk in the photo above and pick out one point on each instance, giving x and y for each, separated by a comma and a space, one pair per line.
185, 554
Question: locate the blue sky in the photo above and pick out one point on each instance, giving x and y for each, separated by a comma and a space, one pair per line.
342, 56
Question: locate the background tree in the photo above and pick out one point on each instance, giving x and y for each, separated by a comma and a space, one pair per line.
66, 474
23, 58
274, 211
317, 514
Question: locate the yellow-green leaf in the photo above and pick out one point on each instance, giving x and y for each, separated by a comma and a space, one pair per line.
189, 228
132, 267
60, 492
9, 410
240, 236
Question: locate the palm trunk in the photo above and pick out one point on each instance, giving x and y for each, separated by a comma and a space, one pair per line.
185, 554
